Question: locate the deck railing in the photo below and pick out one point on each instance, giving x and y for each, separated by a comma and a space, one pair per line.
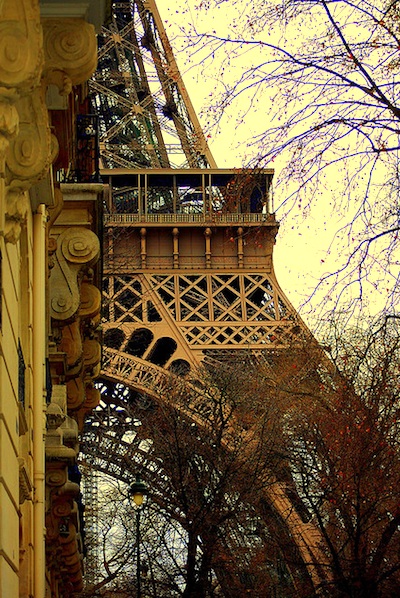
211, 217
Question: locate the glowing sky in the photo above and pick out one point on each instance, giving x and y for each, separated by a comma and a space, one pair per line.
302, 254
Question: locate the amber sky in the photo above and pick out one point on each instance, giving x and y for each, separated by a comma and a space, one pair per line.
302, 253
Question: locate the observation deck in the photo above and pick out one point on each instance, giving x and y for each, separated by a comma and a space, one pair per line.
200, 197
189, 219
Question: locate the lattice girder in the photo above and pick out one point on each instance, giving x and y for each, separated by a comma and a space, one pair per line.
183, 284
237, 540
203, 311
115, 440
146, 116
188, 272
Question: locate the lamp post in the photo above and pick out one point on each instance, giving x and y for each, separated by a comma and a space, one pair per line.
138, 491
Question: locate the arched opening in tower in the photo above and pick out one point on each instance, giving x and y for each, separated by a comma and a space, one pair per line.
180, 367
139, 342
163, 350
113, 338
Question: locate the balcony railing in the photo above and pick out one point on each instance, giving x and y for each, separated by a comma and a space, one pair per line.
210, 217
189, 195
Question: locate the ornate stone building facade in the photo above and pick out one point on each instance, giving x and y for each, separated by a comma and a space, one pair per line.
50, 301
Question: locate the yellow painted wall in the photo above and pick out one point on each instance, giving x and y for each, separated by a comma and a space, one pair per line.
15, 327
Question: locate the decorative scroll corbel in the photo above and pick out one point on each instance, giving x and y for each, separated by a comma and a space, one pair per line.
17, 205
92, 400
9, 120
76, 394
75, 308
92, 357
77, 250
21, 55
63, 544
82, 396
90, 301
28, 157
24, 133
70, 49
27, 160
71, 345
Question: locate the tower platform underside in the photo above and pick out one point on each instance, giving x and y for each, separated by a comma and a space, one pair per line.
188, 269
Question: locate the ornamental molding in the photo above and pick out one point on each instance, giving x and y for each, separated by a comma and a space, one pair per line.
9, 121
70, 50
27, 160
21, 54
64, 548
29, 153
34, 55
75, 304
77, 250
23, 141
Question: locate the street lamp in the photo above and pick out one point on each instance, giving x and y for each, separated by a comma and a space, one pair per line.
138, 490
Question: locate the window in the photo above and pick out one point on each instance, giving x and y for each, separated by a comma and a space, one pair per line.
21, 376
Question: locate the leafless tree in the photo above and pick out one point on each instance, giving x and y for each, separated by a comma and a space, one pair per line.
344, 445
216, 449
323, 422
324, 75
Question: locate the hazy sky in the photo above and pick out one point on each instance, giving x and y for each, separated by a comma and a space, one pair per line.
302, 252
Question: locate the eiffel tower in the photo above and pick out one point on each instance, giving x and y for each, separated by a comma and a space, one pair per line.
188, 268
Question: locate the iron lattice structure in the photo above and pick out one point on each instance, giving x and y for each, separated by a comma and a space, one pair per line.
188, 270
146, 116
116, 443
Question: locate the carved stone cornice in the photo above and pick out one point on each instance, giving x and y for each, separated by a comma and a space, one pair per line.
70, 49
63, 540
24, 132
64, 53
77, 250
21, 54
